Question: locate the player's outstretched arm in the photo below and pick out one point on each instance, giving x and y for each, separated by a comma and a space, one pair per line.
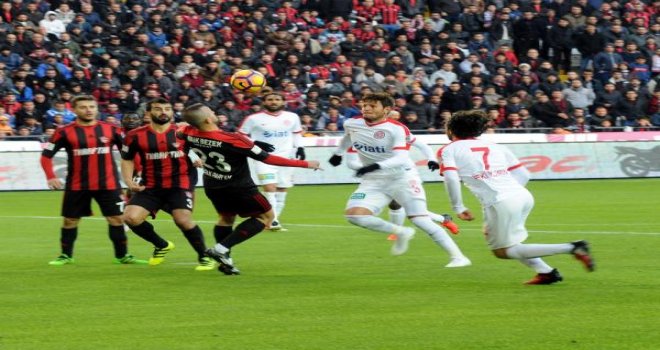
314, 164
265, 146
295, 163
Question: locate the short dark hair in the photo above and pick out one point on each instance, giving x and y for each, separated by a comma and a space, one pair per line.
157, 101
385, 99
192, 114
467, 124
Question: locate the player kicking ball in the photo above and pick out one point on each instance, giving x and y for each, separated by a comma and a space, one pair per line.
497, 178
228, 182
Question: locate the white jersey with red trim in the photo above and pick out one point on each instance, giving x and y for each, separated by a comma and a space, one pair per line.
377, 142
277, 129
484, 167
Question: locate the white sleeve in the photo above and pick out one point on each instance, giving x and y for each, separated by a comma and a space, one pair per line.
297, 140
453, 188
426, 150
353, 161
297, 132
344, 144
399, 158
521, 174
516, 169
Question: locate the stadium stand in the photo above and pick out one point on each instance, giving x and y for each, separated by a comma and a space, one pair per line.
534, 65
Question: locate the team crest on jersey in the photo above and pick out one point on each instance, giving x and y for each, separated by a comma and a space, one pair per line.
175, 144
379, 134
358, 195
104, 139
189, 194
287, 122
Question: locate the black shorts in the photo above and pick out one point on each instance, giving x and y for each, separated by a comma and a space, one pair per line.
155, 199
77, 204
243, 202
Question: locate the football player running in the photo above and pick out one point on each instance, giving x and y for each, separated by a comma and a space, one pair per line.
388, 174
497, 178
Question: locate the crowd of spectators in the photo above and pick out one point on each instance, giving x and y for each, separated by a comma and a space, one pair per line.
587, 65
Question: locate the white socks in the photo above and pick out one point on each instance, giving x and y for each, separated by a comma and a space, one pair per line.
537, 264
437, 217
373, 223
281, 201
397, 216
526, 251
220, 248
438, 235
272, 199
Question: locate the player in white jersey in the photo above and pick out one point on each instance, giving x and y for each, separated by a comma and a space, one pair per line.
397, 214
282, 130
388, 173
497, 178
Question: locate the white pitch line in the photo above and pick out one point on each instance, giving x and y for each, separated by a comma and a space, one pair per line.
471, 226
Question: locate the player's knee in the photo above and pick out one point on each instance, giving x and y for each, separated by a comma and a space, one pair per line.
184, 223
266, 218
500, 253
115, 220
357, 220
71, 222
132, 219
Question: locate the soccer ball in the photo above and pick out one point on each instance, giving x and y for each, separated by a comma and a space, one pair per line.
248, 80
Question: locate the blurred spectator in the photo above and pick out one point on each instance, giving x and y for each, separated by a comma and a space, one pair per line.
601, 120
579, 96
412, 121
549, 113
32, 125
59, 108
332, 116
5, 128
629, 109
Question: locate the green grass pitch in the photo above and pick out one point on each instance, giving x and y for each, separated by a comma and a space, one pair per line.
325, 284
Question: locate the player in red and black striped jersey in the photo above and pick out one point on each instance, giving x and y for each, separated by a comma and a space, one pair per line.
168, 181
91, 174
227, 180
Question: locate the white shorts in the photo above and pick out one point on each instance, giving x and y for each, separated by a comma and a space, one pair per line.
376, 193
271, 174
504, 221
